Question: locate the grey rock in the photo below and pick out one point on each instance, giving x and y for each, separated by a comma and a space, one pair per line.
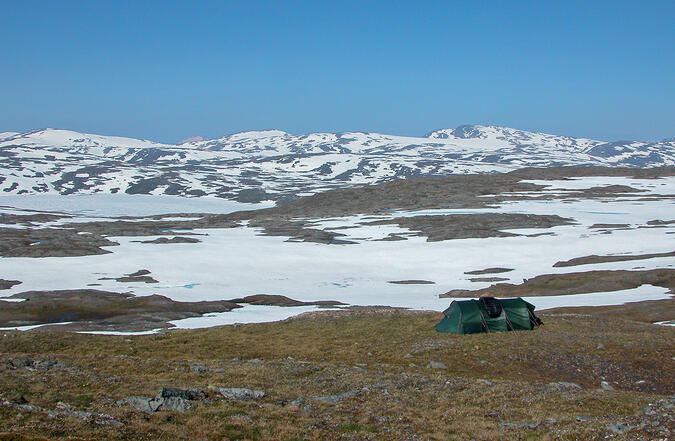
144, 404
600, 346
564, 386
663, 406
46, 364
167, 399
96, 418
619, 428
408, 356
23, 407
185, 394
34, 364
606, 386
198, 368
581, 419
436, 365
484, 381
176, 404
298, 404
238, 393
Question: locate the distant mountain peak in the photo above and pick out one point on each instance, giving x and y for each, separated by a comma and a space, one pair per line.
191, 140
467, 131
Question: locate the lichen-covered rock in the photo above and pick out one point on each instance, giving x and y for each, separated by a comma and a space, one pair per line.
239, 393
436, 365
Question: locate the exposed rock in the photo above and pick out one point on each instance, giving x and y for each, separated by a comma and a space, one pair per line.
95, 418
33, 364
619, 428
63, 410
144, 404
391, 237
488, 271
297, 403
176, 404
7, 284
487, 279
465, 226
167, 399
175, 239
141, 272
238, 393
139, 276
277, 300
600, 346
574, 283
91, 309
18, 406
661, 406
50, 242
609, 226
519, 425
564, 386
186, 394
436, 365
604, 385
660, 222
588, 260
412, 282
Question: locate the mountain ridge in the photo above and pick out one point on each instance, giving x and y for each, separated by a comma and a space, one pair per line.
272, 164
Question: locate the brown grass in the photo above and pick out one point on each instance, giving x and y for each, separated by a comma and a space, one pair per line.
325, 353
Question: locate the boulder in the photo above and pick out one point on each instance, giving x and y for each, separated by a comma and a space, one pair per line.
176, 404
564, 386
436, 365
619, 428
144, 404
238, 393
185, 394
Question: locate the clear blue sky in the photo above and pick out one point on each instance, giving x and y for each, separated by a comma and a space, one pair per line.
169, 70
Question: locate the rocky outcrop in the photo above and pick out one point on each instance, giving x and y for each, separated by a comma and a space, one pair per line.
140, 276
175, 239
238, 393
7, 284
278, 300
588, 260
574, 283
91, 309
171, 399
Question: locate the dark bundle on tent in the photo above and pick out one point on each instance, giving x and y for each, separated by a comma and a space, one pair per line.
488, 314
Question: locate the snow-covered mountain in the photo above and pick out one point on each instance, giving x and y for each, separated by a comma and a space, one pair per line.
272, 164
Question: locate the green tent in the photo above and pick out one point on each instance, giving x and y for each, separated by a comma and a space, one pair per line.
488, 314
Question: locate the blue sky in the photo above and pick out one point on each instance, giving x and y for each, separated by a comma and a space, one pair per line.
169, 70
